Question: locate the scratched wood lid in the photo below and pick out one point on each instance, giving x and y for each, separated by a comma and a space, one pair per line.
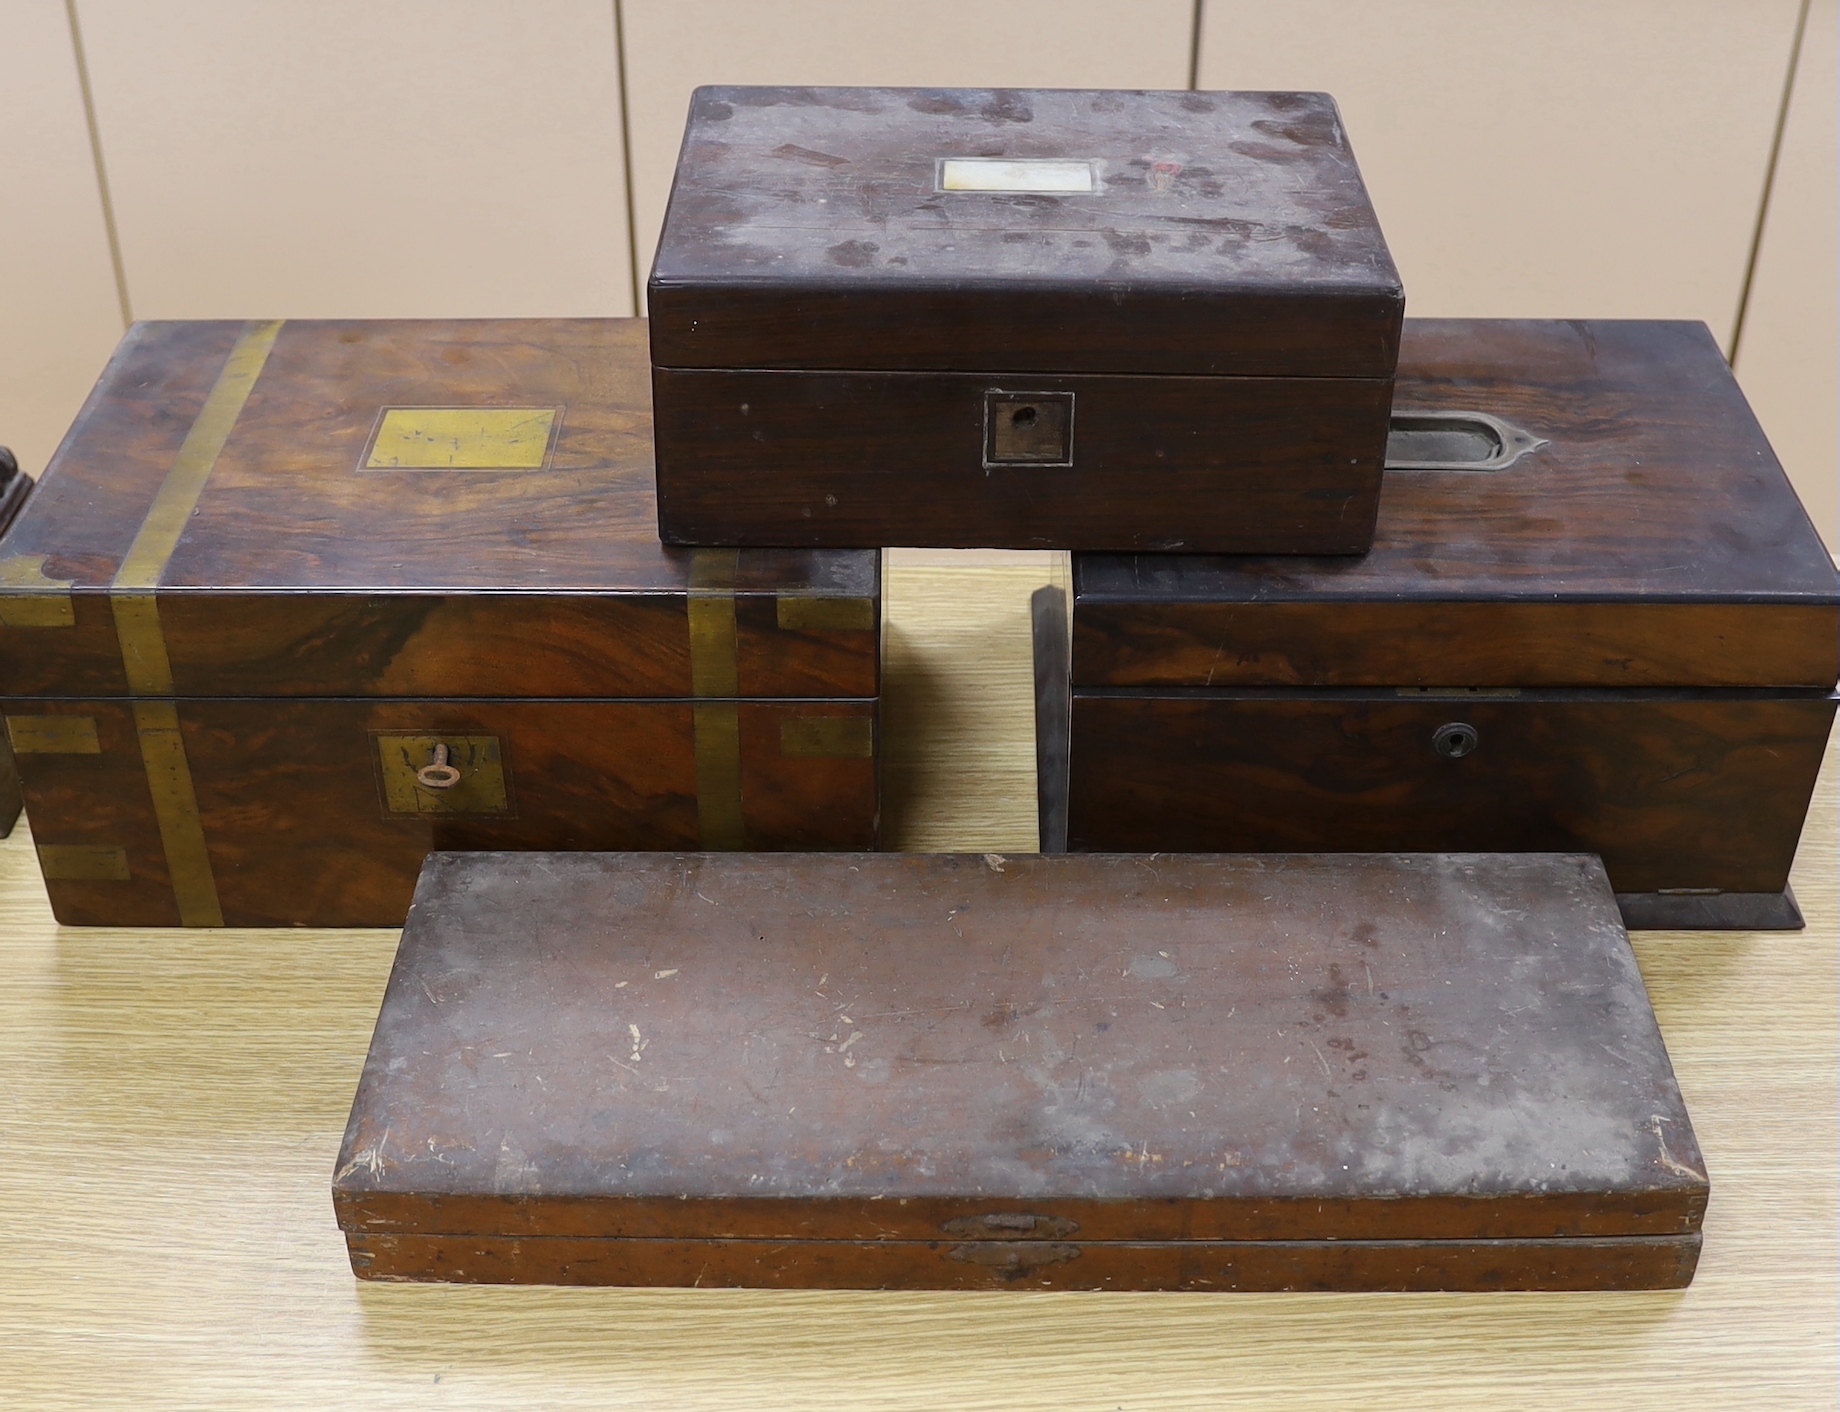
1040, 230
398, 508
1084, 1049
1639, 533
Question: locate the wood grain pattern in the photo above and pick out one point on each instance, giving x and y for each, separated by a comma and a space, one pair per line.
1657, 491
298, 827
139, 1065
1219, 465
1674, 793
1475, 643
302, 574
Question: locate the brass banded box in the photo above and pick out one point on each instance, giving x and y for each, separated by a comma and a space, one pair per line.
297, 602
1595, 618
1036, 1072
1021, 318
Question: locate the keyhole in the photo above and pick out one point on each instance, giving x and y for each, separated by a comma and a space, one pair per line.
1455, 740
1022, 417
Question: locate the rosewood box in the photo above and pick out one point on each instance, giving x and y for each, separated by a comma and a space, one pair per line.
1021, 318
1050, 1072
1595, 618
297, 602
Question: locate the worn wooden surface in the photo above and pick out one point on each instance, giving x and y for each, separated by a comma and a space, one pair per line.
1226, 233
1037, 1069
822, 301
173, 1102
1522, 576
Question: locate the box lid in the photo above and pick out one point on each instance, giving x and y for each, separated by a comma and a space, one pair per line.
398, 508
1650, 538
885, 1046
1044, 230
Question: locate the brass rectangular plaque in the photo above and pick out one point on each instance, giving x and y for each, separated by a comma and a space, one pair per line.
53, 735
827, 737
463, 439
83, 862
827, 614
407, 762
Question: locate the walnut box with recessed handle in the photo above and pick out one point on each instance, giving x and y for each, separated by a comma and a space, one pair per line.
1033, 319
901, 1071
1595, 617
297, 602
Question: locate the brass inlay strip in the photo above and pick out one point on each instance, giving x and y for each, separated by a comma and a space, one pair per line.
718, 775
83, 862
137, 617
714, 673
53, 735
175, 805
827, 737
143, 645
37, 601
827, 614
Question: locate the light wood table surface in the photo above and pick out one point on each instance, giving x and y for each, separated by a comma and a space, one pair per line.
171, 1104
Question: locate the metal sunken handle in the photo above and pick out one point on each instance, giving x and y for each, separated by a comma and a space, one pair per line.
1455, 441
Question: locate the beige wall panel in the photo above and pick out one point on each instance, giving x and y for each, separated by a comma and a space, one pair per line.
1568, 158
1788, 358
364, 158
672, 46
58, 306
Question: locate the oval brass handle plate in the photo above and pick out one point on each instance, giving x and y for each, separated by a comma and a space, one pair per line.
1455, 441
1455, 740
438, 774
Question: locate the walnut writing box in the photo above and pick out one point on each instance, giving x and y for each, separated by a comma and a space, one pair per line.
297, 602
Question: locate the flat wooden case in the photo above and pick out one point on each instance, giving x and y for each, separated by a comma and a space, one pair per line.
1023, 318
297, 602
1617, 633
1038, 1072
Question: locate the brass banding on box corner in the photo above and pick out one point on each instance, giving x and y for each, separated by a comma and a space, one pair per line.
710, 609
28, 599
134, 598
83, 862
800, 614
718, 775
175, 808
827, 737
53, 735
463, 439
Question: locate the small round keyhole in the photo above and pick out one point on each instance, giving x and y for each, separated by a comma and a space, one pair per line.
1455, 740
1022, 417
